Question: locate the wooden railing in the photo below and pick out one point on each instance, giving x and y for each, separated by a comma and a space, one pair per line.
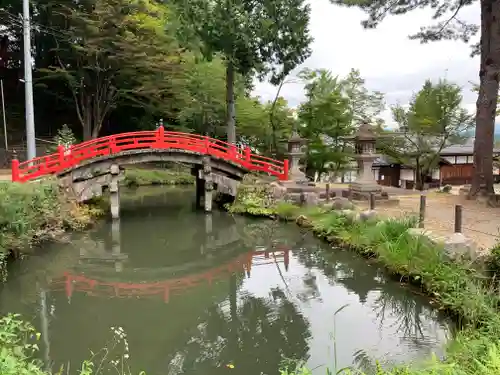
155, 139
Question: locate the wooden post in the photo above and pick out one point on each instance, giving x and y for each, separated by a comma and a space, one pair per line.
15, 167
327, 190
286, 167
458, 218
372, 201
421, 215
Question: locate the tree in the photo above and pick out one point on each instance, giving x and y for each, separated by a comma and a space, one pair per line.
256, 128
326, 118
363, 104
205, 85
450, 26
264, 37
435, 120
475, 88
115, 51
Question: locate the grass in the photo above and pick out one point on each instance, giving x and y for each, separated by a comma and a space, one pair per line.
146, 177
460, 287
31, 213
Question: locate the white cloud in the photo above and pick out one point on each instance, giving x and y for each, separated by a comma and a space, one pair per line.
387, 59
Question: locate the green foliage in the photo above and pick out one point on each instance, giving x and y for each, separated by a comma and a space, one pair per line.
326, 119
364, 105
263, 37
65, 137
17, 346
123, 54
254, 200
33, 212
435, 120
146, 177
446, 188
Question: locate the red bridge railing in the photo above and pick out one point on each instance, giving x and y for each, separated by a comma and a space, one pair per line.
155, 139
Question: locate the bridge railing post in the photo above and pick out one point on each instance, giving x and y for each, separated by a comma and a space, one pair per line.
248, 155
61, 155
160, 136
286, 167
15, 169
207, 145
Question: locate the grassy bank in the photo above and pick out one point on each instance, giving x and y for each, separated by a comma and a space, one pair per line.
459, 287
147, 177
31, 213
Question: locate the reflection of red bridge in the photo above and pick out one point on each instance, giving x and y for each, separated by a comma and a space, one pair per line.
79, 283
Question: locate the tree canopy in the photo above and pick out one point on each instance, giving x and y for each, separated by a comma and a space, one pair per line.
449, 25
267, 38
435, 119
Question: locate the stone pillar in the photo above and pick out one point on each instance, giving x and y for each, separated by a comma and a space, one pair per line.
295, 153
116, 244
114, 192
209, 185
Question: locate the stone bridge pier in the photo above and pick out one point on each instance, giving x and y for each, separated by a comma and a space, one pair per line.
91, 182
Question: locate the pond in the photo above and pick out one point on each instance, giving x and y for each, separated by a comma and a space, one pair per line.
197, 293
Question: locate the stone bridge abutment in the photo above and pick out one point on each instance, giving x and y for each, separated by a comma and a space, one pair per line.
92, 179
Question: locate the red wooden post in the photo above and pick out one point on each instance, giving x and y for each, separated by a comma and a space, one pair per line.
207, 145
248, 154
160, 136
15, 170
284, 176
61, 156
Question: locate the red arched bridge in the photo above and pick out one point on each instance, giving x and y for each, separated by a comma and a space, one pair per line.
125, 145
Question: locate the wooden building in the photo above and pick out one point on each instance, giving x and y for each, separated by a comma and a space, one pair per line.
455, 167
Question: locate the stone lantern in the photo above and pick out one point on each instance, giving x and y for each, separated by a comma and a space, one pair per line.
295, 152
365, 154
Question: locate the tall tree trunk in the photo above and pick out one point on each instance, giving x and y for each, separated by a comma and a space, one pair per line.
230, 110
482, 179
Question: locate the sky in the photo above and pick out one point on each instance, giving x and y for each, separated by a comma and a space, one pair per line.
388, 61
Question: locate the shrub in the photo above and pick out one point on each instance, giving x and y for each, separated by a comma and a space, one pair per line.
446, 188
36, 211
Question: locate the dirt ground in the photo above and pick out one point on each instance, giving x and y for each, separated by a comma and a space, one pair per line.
5, 175
479, 223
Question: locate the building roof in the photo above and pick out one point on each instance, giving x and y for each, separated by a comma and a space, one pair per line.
464, 149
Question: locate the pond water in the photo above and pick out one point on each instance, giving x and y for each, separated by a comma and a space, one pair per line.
204, 294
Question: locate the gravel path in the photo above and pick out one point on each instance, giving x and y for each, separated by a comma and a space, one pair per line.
480, 223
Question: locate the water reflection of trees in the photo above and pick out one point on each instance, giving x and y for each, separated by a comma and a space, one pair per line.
255, 337
406, 311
